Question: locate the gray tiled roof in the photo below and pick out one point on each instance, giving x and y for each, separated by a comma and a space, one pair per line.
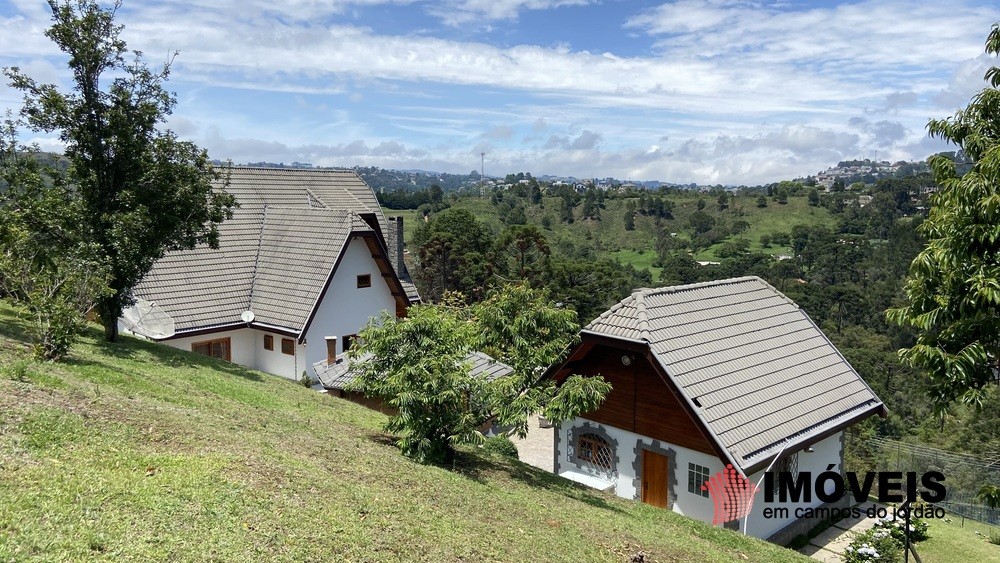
339, 375
288, 220
757, 365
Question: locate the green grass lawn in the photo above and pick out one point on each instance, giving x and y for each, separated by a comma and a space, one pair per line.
952, 540
136, 451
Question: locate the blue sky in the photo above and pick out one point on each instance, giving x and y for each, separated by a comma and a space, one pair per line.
716, 91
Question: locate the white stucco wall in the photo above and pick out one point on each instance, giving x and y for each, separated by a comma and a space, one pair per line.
689, 504
247, 349
240, 340
347, 309
274, 361
825, 452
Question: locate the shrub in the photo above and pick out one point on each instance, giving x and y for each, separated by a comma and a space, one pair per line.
501, 445
876, 545
995, 537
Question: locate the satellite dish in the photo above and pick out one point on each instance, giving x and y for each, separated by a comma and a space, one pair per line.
148, 319
247, 316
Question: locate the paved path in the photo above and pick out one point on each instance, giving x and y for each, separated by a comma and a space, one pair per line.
536, 448
829, 546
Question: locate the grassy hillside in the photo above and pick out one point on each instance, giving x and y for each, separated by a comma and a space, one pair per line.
135, 451
609, 238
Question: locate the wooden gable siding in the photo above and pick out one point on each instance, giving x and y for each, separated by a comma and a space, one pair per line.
639, 401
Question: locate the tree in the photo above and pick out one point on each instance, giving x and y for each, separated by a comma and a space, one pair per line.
701, 222
143, 191
535, 193
701, 204
629, 220
723, 202
521, 253
953, 287
418, 365
452, 250
44, 263
569, 202
781, 195
813, 197
591, 209
761, 202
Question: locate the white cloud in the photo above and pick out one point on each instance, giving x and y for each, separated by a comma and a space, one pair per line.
462, 12
732, 91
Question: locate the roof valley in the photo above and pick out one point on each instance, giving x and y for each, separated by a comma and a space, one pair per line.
256, 259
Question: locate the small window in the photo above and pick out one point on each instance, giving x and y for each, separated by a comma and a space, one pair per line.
788, 464
697, 476
596, 451
288, 346
219, 348
349, 341
268, 342
365, 280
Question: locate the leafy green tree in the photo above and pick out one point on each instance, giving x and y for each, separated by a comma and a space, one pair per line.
781, 195
733, 248
723, 202
701, 222
44, 262
142, 190
418, 366
814, 197
953, 289
761, 202
701, 204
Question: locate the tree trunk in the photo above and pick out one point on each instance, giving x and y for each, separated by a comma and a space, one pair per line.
109, 313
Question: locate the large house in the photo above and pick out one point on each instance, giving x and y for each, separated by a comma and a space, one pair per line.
704, 376
307, 254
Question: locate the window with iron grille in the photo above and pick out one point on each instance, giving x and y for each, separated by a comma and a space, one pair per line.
596, 451
788, 464
697, 476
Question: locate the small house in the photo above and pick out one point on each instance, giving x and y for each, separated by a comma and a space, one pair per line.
307, 254
705, 376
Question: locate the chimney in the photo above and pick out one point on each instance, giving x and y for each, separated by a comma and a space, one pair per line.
331, 350
399, 246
